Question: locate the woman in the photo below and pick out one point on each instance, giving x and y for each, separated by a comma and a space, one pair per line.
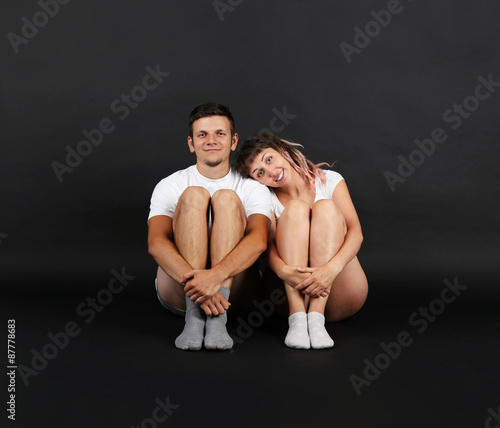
315, 236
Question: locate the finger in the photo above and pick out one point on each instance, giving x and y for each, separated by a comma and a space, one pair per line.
207, 310
188, 285
201, 299
304, 284
220, 307
225, 304
306, 270
187, 276
214, 309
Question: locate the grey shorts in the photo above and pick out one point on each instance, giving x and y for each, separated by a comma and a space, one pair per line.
168, 306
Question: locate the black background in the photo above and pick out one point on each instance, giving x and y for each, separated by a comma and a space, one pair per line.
63, 238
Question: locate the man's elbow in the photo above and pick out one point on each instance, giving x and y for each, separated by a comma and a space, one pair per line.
261, 246
153, 246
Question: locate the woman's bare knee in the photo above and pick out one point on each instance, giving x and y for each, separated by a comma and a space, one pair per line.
325, 211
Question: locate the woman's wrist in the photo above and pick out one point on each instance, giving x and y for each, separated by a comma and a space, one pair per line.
336, 266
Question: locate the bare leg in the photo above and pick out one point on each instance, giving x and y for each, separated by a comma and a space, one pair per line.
350, 288
191, 238
292, 242
327, 235
228, 228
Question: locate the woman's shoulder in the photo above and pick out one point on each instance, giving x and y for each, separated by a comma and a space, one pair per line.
332, 175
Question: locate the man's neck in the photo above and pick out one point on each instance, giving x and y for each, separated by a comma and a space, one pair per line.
213, 172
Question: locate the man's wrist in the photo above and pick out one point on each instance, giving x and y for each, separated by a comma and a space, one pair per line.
220, 273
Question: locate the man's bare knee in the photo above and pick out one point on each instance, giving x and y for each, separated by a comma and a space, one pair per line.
228, 202
195, 197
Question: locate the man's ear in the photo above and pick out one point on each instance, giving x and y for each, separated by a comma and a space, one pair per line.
234, 141
190, 144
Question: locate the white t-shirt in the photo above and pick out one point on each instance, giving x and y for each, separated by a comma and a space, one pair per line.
323, 191
254, 197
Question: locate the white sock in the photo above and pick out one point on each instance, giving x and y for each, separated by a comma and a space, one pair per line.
297, 336
320, 339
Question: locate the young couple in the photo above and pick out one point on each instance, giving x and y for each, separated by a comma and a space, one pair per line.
209, 223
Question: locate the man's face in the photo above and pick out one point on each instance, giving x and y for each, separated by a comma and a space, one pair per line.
212, 142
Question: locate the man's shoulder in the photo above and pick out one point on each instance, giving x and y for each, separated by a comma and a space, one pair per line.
178, 175
246, 182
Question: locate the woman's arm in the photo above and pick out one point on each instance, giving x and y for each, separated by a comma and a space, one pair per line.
354, 235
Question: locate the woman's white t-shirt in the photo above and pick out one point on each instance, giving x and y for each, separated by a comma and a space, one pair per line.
323, 191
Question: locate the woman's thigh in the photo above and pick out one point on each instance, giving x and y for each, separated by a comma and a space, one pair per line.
348, 293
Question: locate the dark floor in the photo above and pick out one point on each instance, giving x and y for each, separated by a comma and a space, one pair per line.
120, 365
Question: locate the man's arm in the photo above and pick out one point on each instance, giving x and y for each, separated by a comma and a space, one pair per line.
244, 255
163, 250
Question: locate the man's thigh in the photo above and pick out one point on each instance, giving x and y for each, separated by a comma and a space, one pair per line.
170, 293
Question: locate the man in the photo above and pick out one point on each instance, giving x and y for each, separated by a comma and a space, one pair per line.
207, 227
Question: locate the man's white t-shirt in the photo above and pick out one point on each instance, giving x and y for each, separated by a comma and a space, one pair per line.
323, 191
255, 197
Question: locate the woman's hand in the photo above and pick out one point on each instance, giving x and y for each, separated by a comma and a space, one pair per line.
292, 275
320, 280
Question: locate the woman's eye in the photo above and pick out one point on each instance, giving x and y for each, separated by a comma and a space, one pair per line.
259, 174
269, 159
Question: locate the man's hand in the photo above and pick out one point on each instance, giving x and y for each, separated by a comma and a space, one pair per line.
319, 282
215, 305
201, 284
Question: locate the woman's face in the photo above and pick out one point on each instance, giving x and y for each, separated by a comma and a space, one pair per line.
270, 168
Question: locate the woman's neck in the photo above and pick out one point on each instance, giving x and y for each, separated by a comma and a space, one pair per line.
298, 187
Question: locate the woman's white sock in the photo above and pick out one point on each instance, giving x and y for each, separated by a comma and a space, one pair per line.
297, 336
320, 339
